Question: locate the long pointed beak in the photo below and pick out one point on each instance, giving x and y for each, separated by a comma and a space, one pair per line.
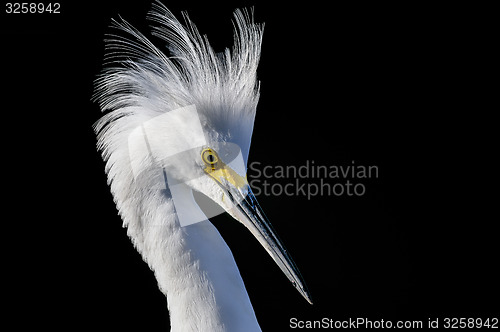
245, 208
248, 211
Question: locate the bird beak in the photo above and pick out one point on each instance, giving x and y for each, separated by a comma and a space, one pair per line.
247, 210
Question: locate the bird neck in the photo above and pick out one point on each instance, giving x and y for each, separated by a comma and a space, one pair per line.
196, 271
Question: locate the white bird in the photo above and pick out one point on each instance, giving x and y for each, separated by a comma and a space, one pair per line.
177, 124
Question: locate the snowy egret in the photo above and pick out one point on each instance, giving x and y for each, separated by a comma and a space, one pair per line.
180, 123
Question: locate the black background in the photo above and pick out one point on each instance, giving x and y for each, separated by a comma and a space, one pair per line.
403, 88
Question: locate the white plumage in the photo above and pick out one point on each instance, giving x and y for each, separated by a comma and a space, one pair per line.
194, 267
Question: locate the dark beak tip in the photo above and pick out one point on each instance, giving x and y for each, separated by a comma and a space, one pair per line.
308, 298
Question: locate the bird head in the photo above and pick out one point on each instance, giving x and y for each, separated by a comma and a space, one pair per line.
184, 123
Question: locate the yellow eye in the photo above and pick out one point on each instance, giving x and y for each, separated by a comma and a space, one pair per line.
209, 156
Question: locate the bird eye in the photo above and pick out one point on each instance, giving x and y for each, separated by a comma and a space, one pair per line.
209, 156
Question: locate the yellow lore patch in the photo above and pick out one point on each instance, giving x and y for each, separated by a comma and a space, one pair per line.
218, 170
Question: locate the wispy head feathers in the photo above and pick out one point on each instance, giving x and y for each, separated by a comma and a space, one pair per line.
223, 86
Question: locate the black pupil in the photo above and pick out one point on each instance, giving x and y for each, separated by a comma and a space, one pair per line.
210, 158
